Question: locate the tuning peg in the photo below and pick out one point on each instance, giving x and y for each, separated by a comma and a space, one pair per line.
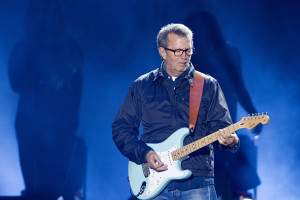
266, 113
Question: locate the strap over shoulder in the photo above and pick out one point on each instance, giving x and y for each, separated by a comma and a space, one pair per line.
195, 99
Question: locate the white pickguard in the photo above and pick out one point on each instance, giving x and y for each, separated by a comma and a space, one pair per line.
158, 178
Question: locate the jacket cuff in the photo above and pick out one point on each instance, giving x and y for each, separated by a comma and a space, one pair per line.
145, 154
235, 148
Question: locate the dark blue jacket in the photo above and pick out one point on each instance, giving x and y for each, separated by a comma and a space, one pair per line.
163, 108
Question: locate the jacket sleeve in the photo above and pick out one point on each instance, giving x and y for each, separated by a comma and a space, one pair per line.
218, 116
125, 128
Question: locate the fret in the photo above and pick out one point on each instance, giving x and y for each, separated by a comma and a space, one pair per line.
181, 151
209, 139
215, 136
195, 146
174, 155
231, 129
189, 149
236, 126
199, 142
203, 142
186, 150
228, 129
206, 142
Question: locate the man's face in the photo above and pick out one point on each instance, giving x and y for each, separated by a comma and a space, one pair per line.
176, 65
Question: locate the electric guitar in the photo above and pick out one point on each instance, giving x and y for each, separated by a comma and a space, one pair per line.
147, 183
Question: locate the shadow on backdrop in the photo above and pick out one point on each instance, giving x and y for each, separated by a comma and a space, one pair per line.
45, 69
235, 173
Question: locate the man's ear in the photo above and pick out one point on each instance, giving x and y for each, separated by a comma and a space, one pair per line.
162, 52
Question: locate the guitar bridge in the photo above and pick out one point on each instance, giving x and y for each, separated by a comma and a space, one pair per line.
146, 170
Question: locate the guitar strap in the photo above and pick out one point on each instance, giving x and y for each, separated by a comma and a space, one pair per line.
195, 99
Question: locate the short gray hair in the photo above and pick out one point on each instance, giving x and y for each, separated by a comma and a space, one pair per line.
178, 29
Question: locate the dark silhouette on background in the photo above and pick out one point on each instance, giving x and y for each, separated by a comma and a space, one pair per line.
46, 70
234, 173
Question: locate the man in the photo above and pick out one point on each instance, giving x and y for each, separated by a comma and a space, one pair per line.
160, 100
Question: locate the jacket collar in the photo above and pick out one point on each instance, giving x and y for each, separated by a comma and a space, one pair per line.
189, 75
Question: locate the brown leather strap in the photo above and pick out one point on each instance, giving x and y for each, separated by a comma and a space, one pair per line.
195, 99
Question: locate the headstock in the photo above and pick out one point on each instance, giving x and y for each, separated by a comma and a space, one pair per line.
252, 121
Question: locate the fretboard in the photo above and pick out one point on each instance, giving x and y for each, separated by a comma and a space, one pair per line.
198, 144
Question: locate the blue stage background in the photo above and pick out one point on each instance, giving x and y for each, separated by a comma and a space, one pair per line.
118, 42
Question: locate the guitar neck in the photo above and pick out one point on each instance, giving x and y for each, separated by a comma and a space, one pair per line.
198, 144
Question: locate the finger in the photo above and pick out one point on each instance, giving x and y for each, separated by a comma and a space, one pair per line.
154, 161
221, 140
227, 136
162, 168
224, 137
159, 166
221, 136
225, 133
151, 157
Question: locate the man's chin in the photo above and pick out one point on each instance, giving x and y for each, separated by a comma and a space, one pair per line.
183, 68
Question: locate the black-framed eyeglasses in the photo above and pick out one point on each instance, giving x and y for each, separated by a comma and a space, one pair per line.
179, 52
